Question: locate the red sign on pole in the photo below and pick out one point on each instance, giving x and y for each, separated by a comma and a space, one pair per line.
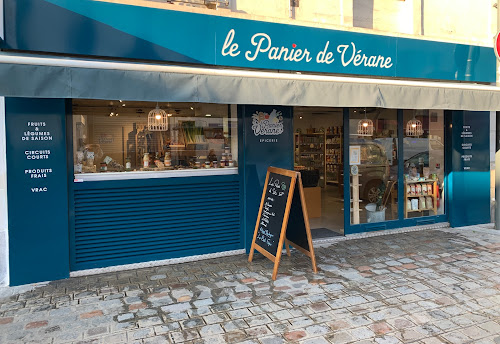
496, 45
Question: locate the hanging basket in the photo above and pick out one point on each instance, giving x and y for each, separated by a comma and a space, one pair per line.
365, 127
157, 120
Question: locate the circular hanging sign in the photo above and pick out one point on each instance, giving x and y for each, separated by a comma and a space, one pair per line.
354, 170
496, 45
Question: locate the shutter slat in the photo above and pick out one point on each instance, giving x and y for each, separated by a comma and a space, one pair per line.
127, 224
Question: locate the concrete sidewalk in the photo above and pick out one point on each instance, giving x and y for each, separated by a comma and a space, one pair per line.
427, 286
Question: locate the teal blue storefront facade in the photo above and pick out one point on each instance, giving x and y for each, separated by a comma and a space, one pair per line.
57, 226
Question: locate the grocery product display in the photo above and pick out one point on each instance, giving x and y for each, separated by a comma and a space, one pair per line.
420, 196
321, 151
121, 142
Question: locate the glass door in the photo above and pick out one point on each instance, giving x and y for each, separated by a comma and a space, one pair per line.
373, 165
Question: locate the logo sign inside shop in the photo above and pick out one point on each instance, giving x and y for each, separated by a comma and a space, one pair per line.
267, 124
262, 46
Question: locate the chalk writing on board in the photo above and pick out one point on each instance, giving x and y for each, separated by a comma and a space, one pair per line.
277, 188
264, 235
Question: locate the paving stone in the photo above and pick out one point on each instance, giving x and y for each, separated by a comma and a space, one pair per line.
340, 337
362, 333
191, 323
423, 286
272, 340
318, 340
210, 330
257, 320
139, 334
295, 335
456, 337
259, 331
491, 326
147, 322
317, 330
97, 331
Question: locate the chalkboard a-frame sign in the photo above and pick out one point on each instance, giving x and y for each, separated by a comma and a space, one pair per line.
282, 218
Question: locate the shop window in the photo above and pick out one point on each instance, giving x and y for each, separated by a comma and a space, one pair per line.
374, 155
423, 162
114, 137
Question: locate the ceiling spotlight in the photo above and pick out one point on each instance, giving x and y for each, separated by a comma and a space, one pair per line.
208, 115
169, 115
121, 101
300, 117
123, 104
192, 108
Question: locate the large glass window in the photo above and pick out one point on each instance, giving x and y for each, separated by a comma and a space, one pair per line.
122, 136
423, 162
373, 151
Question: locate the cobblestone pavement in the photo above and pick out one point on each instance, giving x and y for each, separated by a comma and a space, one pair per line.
427, 286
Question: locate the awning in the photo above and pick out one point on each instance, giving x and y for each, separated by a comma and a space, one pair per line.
40, 77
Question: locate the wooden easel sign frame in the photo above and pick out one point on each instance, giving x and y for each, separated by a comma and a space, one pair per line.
282, 199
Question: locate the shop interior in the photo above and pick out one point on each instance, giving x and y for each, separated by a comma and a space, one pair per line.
318, 155
135, 136
374, 157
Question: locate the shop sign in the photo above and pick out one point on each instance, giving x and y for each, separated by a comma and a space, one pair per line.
59, 26
496, 45
282, 218
354, 155
267, 124
261, 46
37, 189
470, 141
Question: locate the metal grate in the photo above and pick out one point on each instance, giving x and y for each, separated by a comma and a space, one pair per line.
133, 224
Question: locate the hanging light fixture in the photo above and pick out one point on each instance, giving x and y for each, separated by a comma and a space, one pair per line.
414, 127
157, 119
365, 127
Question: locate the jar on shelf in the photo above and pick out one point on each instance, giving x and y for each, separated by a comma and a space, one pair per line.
104, 167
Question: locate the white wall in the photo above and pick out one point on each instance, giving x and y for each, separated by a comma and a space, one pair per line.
493, 126
4, 246
469, 22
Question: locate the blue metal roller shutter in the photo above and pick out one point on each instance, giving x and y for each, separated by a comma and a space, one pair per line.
123, 222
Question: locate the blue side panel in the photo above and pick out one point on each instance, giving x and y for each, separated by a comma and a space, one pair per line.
460, 62
124, 222
469, 178
469, 198
37, 190
263, 148
49, 28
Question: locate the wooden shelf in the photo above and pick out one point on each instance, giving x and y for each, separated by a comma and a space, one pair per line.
408, 197
419, 181
304, 155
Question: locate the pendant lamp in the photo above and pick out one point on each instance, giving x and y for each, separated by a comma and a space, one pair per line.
414, 128
365, 127
157, 119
